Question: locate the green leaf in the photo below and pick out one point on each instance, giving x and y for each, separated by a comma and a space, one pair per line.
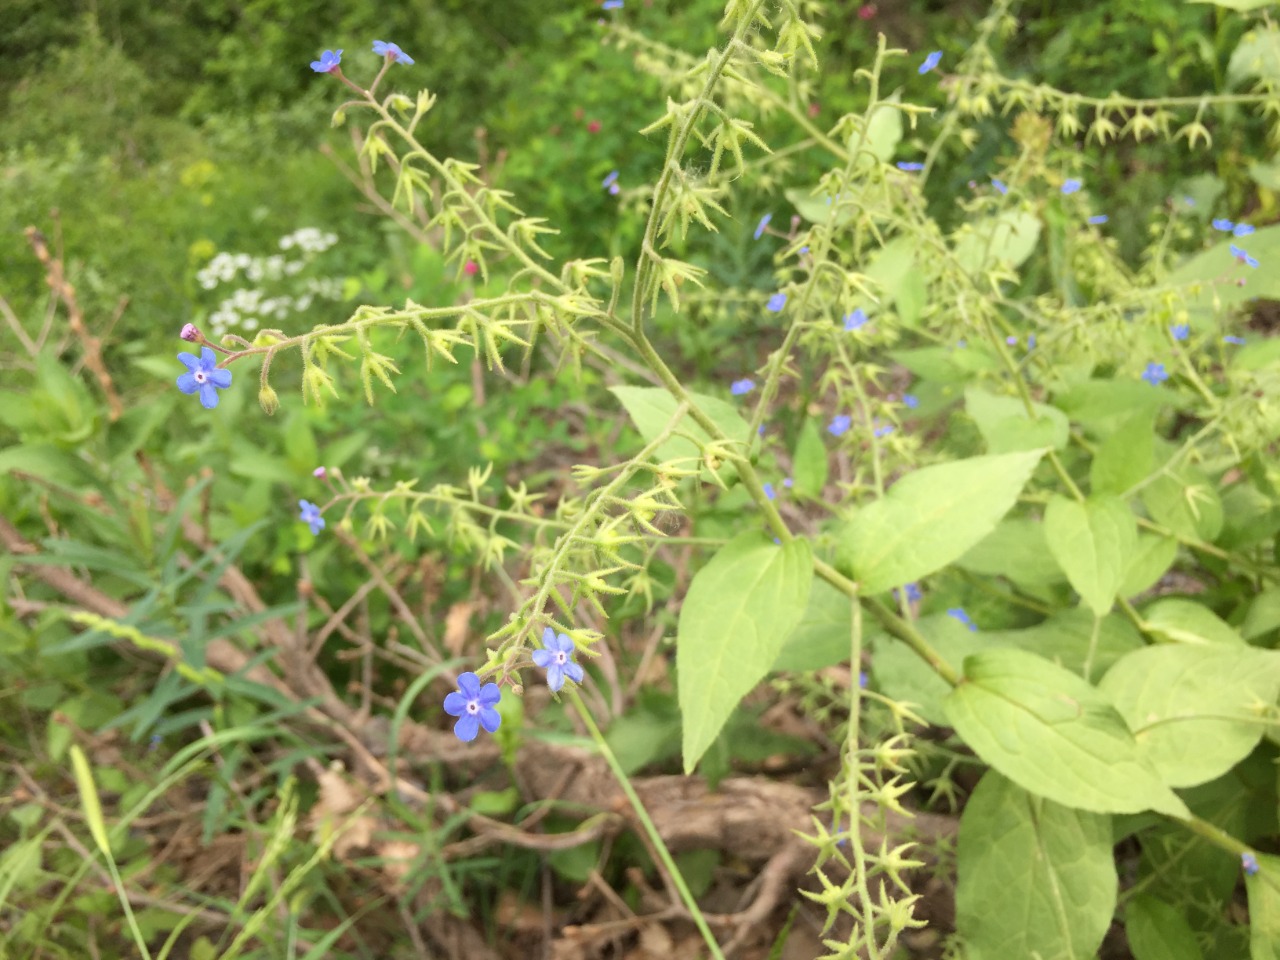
1263, 889
1075, 639
1094, 543
1204, 273
1035, 879
1015, 549
1053, 734
1258, 52
930, 518
1102, 406
946, 364
816, 208
1126, 457
1157, 931
884, 131
890, 267
824, 635
1194, 710
736, 617
89, 801
651, 409
1152, 557
809, 469
1185, 621
1006, 426
1008, 238
902, 675
1263, 615
1186, 503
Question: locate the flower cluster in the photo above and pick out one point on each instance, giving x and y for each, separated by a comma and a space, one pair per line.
475, 705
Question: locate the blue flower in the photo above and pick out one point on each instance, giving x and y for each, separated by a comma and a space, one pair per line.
1001, 187
203, 375
883, 430
1098, 218
930, 61
776, 302
840, 425
959, 614
473, 705
862, 679
910, 166
1237, 341
1223, 224
1011, 340
1071, 185
614, 189
787, 482
1241, 230
913, 592
910, 400
310, 515
855, 320
328, 62
1031, 341
557, 659
610, 180
1180, 331
611, 5
764, 222
769, 492
1155, 374
739, 387
391, 50
1243, 257
1249, 863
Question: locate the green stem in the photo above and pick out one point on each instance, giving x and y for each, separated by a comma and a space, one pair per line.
651, 831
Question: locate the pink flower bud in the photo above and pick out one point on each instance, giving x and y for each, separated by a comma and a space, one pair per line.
593, 126
319, 472
470, 268
190, 332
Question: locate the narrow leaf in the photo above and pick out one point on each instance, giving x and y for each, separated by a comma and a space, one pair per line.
736, 617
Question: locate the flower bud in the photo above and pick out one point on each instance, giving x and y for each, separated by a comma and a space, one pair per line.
339, 117
191, 332
268, 400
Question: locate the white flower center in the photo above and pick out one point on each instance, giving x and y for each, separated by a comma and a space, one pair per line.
200, 376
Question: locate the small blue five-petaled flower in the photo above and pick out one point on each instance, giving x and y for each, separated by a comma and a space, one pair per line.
1071, 185
739, 387
1243, 257
910, 166
960, 614
611, 5
776, 303
203, 376
760, 227
931, 61
473, 705
1236, 341
913, 592
1155, 374
556, 658
1098, 218
1001, 187
855, 320
1249, 863
610, 180
883, 430
770, 492
328, 62
840, 425
1180, 331
384, 49
910, 400
1223, 224
309, 514
1241, 230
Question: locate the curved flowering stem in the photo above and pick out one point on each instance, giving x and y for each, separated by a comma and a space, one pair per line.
675, 152
650, 829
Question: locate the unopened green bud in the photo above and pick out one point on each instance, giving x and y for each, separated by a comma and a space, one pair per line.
402, 103
268, 400
339, 117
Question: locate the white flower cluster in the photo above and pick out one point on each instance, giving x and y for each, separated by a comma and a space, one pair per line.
246, 309
309, 240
